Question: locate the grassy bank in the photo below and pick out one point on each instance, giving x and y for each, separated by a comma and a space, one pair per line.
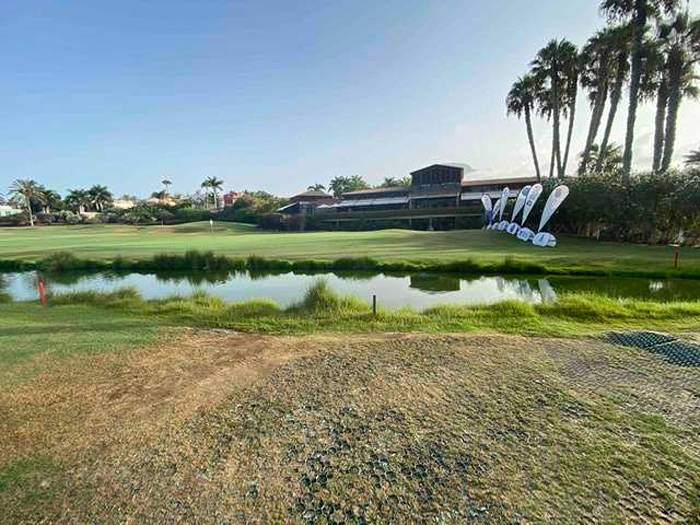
475, 249
196, 261
323, 310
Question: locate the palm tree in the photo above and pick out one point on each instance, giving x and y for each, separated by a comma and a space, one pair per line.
619, 40
100, 197
213, 185
682, 44
51, 201
27, 190
654, 87
550, 67
521, 101
78, 200
595, 78
609, 159
572, 68
638, 12
166, 185
693, 158
316, 187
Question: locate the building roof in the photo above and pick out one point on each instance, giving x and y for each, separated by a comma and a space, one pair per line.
369, 191
466, 168
313, 193
490, 182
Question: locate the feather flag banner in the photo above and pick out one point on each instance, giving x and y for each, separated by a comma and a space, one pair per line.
555, 199
504, 202
531, 200
488, 207
520, 202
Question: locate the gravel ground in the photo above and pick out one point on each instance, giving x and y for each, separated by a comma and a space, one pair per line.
216, 427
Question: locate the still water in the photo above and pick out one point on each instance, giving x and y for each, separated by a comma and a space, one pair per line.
418, 290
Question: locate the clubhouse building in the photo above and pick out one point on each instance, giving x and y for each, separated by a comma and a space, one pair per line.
441, 196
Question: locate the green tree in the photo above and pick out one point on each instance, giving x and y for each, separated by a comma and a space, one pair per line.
619, 41
638, 12
27, 190
609, 160
340, 185
100, 197
552, 67
51, 200
521, 101
316, 187
681, 43
78, 200
693, 158
212, 186
166, 186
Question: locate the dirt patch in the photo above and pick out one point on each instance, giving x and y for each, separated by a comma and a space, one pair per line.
219, 427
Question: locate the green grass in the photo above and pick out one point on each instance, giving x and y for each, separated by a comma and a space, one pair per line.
107, 242
125, 318
30, 334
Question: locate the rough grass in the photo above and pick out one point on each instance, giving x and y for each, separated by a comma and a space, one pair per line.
467, 250
217, 427
322, 309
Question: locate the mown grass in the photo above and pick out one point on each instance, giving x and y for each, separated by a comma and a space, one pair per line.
468, 250
31, 335
321, 309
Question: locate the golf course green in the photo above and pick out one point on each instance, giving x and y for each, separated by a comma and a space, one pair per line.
106, 242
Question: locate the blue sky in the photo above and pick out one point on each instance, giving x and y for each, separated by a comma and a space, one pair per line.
274, 95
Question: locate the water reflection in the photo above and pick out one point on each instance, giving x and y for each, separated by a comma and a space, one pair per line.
418, 290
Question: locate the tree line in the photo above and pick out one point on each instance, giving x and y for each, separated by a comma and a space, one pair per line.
342, 184
650, 48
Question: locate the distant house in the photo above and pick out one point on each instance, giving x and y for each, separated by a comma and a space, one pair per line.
6, 211
123, 204
163, 201
231, 197
307, 203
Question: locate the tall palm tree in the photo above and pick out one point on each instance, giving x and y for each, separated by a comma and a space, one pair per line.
572, 68
619, 42
693, 158
316, 187
521, 101
682, 43
212, 185
654, 87
550, 67
595, 78
638, 13
27, 190
100, 197
166, 185
78, 200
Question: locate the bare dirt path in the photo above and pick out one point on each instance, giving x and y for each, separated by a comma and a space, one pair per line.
214, 427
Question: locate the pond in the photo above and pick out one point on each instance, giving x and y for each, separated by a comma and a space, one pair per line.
419, 290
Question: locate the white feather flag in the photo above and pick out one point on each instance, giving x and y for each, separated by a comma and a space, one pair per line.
519, 202
530, 201
504, 202
553, 202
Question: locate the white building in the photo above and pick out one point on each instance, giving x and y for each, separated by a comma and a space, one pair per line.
6, 211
